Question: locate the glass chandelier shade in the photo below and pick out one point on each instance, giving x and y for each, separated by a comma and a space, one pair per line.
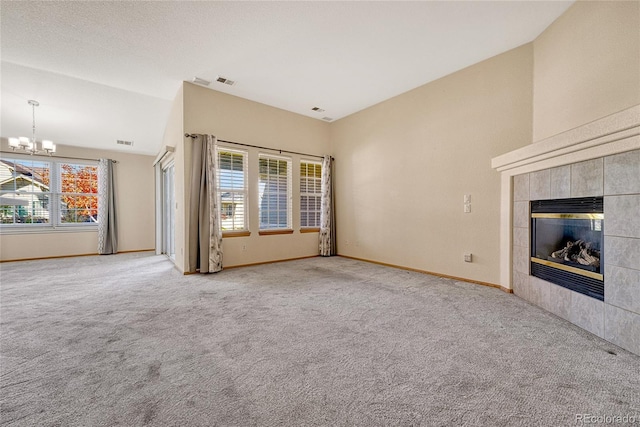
30, 145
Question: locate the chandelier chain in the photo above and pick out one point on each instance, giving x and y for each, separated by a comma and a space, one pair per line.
33, 110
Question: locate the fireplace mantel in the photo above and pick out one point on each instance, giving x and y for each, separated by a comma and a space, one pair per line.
613, 134
617, 133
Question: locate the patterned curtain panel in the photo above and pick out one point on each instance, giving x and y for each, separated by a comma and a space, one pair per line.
327, 212
107, 225
205, 235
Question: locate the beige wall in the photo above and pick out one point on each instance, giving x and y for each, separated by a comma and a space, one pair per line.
174, 137
586, 66
135, 202
404, 165
236, 119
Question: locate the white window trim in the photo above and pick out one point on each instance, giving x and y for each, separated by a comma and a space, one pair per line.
289, 161
245, 190
314, 162
55, 187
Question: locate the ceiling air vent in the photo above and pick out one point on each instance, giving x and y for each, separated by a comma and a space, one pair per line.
123, 142
328, 119
200, 81
317, 110
225, 81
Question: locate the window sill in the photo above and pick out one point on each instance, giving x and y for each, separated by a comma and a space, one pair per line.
309, 230
243, 233
271, 232
49, 229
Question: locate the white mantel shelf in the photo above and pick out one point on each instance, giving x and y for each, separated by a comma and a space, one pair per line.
617, 133
613, 134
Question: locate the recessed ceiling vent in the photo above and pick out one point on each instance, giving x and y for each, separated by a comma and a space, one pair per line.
123, 142
317, 110
200, 81
328, 119
225, 81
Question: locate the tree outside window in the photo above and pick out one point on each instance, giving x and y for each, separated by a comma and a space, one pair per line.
79, 193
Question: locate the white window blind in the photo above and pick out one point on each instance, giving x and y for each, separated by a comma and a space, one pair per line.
232, 189
310, 193
274, 188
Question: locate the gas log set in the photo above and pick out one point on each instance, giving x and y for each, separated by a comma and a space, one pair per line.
579, 252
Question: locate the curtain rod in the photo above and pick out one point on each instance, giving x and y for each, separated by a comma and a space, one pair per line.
193, 136
12, 153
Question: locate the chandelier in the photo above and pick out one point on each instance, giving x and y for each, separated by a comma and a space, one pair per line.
30, 145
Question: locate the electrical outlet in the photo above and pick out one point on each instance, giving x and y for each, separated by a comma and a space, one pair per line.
467, 207
244, 248
467, 257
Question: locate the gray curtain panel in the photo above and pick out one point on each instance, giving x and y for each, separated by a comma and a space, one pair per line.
327, 210
205, 236
107, 224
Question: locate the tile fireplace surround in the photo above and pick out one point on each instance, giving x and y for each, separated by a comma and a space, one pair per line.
601, 158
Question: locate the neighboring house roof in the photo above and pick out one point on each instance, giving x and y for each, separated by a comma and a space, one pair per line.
19, 171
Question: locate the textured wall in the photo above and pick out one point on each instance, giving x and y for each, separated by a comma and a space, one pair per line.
586, 66
404, 165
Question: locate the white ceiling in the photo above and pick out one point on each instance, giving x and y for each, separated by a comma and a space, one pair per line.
109, 70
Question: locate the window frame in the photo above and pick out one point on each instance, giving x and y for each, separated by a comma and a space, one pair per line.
244, 191
54, 205
318, 180
289, 196
59, 193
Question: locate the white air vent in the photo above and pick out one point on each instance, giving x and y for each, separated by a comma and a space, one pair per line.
225, 81
318, 110
200, 81
328, 119
122, 142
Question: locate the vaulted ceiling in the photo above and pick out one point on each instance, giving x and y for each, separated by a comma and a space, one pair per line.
104, 71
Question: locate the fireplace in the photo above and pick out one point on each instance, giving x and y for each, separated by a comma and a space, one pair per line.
567, 242
598, 159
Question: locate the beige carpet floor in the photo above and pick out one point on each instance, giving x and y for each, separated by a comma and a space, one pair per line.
126, 340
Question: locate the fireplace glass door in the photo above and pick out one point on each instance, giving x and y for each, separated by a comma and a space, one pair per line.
567, 243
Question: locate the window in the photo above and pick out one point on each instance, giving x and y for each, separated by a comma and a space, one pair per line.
47, 193
78, 195
310, 194
274, 188
228, 209
232, 189
25, 191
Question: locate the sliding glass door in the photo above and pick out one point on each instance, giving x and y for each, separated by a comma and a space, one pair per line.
168, 211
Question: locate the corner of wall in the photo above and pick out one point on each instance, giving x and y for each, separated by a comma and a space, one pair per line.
174, 137
586, 66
